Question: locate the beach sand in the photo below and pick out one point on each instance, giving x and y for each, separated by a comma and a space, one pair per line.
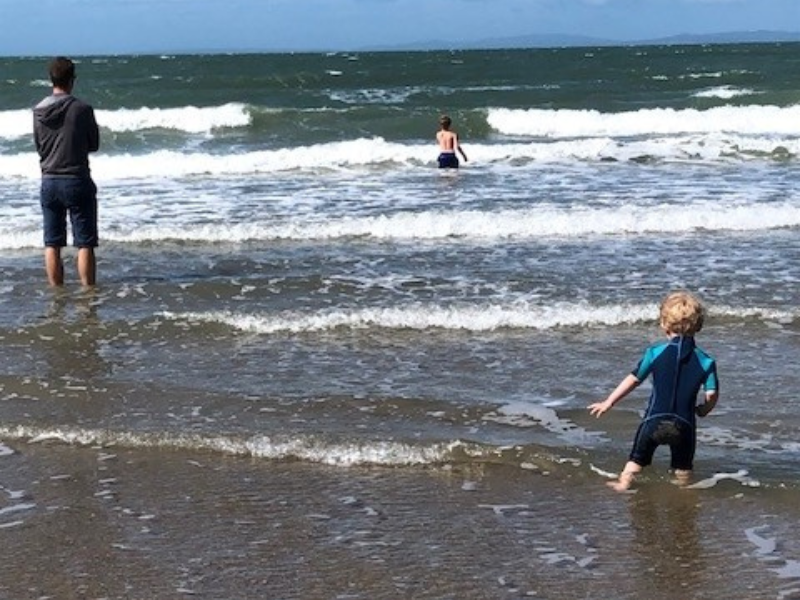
92, 522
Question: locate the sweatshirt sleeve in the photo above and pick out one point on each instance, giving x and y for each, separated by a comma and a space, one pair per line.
93, 132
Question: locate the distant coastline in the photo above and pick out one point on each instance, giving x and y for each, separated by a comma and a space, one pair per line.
534, 41
538, 41
560, 41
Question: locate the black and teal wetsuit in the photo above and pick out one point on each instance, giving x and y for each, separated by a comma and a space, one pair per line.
679, 369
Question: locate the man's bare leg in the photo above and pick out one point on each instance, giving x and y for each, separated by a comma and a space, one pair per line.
54, 266
87, 266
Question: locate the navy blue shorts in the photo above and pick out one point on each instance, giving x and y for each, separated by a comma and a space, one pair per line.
62, 196
448, 160
658, 431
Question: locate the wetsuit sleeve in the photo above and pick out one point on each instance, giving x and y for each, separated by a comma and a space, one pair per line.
645, 365
711, 383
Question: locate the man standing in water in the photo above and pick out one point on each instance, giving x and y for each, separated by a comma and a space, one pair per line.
65, 132
448, 144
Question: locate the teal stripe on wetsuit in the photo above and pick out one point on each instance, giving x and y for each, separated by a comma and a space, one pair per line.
679, 369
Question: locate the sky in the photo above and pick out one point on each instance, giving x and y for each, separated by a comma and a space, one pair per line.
83, 27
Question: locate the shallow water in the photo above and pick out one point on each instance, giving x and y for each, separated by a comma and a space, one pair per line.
154, 523
317, 367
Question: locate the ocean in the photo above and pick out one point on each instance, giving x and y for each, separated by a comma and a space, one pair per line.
317, 367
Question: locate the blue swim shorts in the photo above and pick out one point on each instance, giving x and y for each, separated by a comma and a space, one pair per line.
658, 431
448, 160
77, 197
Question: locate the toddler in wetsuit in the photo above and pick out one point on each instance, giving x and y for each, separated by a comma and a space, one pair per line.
679, 369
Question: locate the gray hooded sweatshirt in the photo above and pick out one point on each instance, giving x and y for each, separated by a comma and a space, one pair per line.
65, 132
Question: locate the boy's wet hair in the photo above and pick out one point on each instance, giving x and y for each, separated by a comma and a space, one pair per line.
62, 72
445, 121
681, 313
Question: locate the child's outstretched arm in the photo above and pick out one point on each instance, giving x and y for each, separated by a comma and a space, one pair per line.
706, 407
457, 146
625, 387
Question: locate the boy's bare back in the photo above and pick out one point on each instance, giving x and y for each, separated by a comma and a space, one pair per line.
448, 144
448, 140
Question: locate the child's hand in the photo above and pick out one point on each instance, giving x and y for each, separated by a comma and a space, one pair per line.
599, 408
706, 407
701, 410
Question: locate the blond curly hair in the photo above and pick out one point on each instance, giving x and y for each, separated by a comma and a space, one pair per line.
682, 313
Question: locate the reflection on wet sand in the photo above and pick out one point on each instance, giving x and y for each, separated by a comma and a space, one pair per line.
664, 519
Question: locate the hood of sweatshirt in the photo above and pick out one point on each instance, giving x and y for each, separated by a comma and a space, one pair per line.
50, 111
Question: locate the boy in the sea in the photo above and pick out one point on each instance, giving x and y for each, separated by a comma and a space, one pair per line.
679, 369
448, 144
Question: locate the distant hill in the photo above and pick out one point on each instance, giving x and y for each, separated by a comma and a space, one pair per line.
558, 41
735, 37
521, 41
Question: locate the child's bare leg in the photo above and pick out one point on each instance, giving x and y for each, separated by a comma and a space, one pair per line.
625, 479
683, 477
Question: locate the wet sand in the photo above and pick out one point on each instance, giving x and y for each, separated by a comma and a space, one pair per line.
81, 522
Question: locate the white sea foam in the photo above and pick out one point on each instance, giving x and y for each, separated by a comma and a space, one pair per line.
764, 546
306, 448
740, 476
15, 240
378, 96
704, 75
535, 223
489, 317
15, 508
20, 230
738, 122
191, 119
165, 164
361, 453
718, 436
526, 414
726, 92
480, 317
756, 312
15, 124
376, 153
789, 570
768, 550
603, 472
748, 120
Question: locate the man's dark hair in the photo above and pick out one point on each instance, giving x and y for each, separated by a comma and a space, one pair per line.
62, 72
